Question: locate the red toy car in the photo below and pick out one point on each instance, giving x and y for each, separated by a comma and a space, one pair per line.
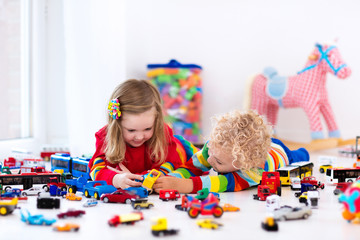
341, 187
71, 213
119, 196
169, 194
312, 180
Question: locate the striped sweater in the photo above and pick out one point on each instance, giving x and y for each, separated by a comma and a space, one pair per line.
195, 168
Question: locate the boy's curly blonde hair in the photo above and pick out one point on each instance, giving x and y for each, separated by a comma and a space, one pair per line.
245, 135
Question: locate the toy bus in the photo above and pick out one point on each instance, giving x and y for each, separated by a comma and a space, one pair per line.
305, 168
288, 172
27, 179
337, 175
78, 166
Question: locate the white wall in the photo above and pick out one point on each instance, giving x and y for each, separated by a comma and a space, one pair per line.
230, 39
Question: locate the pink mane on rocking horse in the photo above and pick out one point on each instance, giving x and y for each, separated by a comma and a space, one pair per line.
307, 90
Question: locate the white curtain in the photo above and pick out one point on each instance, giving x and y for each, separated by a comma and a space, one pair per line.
94, 64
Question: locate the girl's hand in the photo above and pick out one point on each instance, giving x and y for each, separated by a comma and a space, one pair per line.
125, 178
180, 184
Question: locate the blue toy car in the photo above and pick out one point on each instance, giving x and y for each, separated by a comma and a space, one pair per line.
140, 191
14, 192
55, 191
35, 219
97, 188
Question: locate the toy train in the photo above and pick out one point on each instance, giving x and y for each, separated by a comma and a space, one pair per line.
77, 166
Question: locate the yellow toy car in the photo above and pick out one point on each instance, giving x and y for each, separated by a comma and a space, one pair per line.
208, 223
67, 227
73, 197
230, 208
323, 168
150, 179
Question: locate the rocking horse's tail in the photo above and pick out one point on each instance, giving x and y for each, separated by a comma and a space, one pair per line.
248, 93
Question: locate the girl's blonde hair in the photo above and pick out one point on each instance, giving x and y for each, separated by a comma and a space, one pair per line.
243, 134
135, 97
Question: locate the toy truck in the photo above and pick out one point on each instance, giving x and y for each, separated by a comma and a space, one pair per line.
270, 184
304, 188
312, 180
76, 184
185, 203
7, 207
210, 206
129, 218
169, 194
55, 191
54, 181
160, 228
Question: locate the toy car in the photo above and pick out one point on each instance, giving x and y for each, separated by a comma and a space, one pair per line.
67, 227
313, 181
150, 179
48, 202
208, 223
71, 213
141, 204
210, 206
35, 219
33, 191
97, 188
272, 202
140, 191
55, 191
289, 213
129, 218
341, 187
169, 194
7, 207
73, 197
323, 168
230, 208
270, 224
119, 196
159, 228
295, 183
90, 203
11, 192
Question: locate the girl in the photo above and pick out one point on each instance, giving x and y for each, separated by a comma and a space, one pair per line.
136, 139
240, 149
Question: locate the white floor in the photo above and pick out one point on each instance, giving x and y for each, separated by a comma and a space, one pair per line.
326, 222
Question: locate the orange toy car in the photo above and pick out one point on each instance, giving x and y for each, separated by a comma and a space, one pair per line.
73, 197
67, 227
230, 208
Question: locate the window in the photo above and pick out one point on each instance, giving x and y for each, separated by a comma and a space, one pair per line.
14, 72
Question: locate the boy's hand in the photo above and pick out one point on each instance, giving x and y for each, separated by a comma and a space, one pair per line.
180, 184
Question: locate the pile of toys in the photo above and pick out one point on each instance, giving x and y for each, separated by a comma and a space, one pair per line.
181, 91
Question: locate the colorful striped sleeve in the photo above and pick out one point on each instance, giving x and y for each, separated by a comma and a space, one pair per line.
197, 165
276, 158
98, 164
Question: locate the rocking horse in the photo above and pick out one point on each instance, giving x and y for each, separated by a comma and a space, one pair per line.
269, 91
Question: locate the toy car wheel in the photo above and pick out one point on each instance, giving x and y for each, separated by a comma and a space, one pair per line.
218, 212
3, 211
128, 201
46, 188
322, 170
75, 229
151, 205
96, 196
138, 207
24, 194
305, 216
282, 218
64, 189
87, 194
106, 200
193, 213
7, 188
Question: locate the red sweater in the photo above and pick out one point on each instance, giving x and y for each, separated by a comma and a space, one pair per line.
137, 159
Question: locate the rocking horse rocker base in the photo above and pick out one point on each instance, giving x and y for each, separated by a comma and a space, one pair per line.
267, 92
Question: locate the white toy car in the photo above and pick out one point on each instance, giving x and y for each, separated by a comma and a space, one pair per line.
290, 213
90, 203
33, 191
295, 183
272, 202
